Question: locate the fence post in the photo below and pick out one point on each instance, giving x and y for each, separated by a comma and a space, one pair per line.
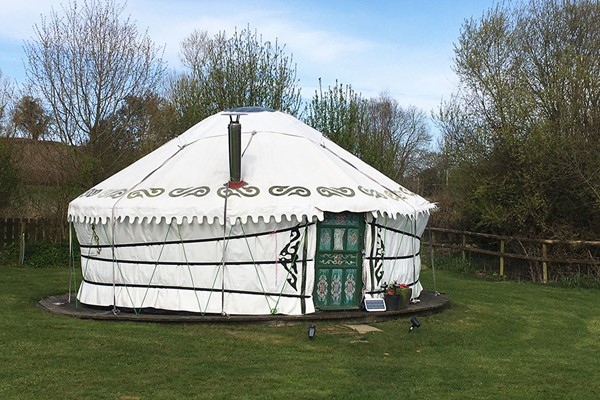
3, 236
501, 257
545, 262
431, 239
464, 246
22, 241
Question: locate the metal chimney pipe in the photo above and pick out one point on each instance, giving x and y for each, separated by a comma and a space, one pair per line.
235, 152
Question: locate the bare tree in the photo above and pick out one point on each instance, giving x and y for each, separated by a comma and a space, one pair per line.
394, 137
7, 94
84, 62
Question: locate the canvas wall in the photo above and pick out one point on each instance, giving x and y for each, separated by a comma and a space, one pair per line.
392, 252
261, 268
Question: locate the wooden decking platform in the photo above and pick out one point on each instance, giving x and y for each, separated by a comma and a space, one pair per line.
430, 302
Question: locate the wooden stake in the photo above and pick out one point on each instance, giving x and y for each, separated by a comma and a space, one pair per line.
502, 258
545, 262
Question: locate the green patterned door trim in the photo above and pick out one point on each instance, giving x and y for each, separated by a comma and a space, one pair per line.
338, 261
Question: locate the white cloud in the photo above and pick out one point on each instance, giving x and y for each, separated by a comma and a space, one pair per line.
371, 53
18, 17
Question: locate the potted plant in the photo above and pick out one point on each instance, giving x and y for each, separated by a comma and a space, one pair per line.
404, 293
391, 298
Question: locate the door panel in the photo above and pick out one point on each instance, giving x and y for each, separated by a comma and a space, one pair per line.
339, 261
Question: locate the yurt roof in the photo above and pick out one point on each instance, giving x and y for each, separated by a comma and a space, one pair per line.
291, 170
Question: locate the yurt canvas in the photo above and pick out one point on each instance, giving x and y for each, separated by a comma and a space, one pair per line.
250, 211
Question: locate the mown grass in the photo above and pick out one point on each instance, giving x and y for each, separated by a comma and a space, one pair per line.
499, 340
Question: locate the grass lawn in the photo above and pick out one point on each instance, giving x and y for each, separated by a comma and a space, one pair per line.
500, 340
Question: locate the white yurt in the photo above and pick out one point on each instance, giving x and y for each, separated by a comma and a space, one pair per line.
251, 212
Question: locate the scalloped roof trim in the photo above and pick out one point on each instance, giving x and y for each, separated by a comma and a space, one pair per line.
191, 219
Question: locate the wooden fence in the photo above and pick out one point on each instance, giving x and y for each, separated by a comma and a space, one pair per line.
26, 230
543, 259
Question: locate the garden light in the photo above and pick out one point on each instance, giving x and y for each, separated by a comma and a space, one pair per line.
312, 331
415, 323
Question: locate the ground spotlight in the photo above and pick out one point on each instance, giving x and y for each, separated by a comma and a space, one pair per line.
312, 331
414, 323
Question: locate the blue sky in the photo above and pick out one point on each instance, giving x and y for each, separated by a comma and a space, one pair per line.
401, 47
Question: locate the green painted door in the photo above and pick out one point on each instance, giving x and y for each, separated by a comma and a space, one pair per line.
338, 280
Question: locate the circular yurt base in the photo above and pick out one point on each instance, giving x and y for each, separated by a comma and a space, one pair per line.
430, 302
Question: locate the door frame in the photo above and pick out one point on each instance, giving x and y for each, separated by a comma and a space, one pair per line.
358, 252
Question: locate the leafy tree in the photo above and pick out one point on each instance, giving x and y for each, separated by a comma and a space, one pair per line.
242, 70
379, 131
30, 118
9, 174
85, 63
521, 133
142, 124
339, 113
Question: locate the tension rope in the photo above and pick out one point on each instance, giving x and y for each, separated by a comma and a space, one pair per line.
155, 267
72, 274
225, 243
212, 288
294, 259
189, 269
118, 265
84, 269
255, 267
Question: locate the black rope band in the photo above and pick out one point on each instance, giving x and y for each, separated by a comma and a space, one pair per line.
197, 289
188, 241
393, 257
191, 263
394, 230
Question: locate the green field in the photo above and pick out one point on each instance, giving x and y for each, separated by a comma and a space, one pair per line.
499, 340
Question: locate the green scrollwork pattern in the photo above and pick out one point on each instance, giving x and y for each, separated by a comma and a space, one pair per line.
338, 259
391, 195
246, 191
199, 191
372, 192
91, 193
152, 192
113, 193
333, 191
289, 191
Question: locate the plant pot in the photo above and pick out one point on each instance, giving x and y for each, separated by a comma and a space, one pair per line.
404, 295
392, 302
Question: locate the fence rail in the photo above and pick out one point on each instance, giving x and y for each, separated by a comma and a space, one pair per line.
20, 230
546, 253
